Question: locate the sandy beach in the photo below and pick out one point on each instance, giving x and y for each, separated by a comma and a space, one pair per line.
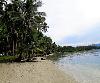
33, 72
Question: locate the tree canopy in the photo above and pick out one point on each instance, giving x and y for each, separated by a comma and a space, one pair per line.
22, 27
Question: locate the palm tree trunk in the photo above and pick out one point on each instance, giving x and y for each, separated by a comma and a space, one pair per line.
13, 48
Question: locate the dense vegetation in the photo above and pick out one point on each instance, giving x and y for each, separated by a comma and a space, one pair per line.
21, 31
76, 49
22, 27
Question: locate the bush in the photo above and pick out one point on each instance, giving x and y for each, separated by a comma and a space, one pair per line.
7, 58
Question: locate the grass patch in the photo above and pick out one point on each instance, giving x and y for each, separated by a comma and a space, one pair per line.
7, 59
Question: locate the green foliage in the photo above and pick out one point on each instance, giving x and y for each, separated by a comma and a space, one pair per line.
22, 27
75, 49
7, 58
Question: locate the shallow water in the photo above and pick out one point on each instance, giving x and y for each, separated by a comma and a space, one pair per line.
84, 66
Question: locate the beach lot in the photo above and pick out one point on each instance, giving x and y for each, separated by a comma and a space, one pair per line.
33, 72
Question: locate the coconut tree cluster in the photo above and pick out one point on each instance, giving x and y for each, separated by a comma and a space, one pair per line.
22, 27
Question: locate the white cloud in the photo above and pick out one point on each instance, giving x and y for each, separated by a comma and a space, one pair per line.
71, 17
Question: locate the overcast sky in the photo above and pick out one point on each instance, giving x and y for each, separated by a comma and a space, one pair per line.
73, 22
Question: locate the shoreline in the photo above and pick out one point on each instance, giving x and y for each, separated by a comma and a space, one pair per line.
33, 72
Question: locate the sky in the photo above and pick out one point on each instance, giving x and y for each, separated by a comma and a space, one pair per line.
73, 22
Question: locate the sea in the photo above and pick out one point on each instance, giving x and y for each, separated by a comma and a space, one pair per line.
83, 66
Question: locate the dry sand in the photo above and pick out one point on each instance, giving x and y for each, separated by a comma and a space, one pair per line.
33, 72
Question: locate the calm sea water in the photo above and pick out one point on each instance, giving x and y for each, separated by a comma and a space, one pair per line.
84, 66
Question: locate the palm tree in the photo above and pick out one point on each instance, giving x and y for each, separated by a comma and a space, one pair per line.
23, 26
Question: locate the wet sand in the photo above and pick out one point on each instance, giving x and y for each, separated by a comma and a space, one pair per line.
33, 72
